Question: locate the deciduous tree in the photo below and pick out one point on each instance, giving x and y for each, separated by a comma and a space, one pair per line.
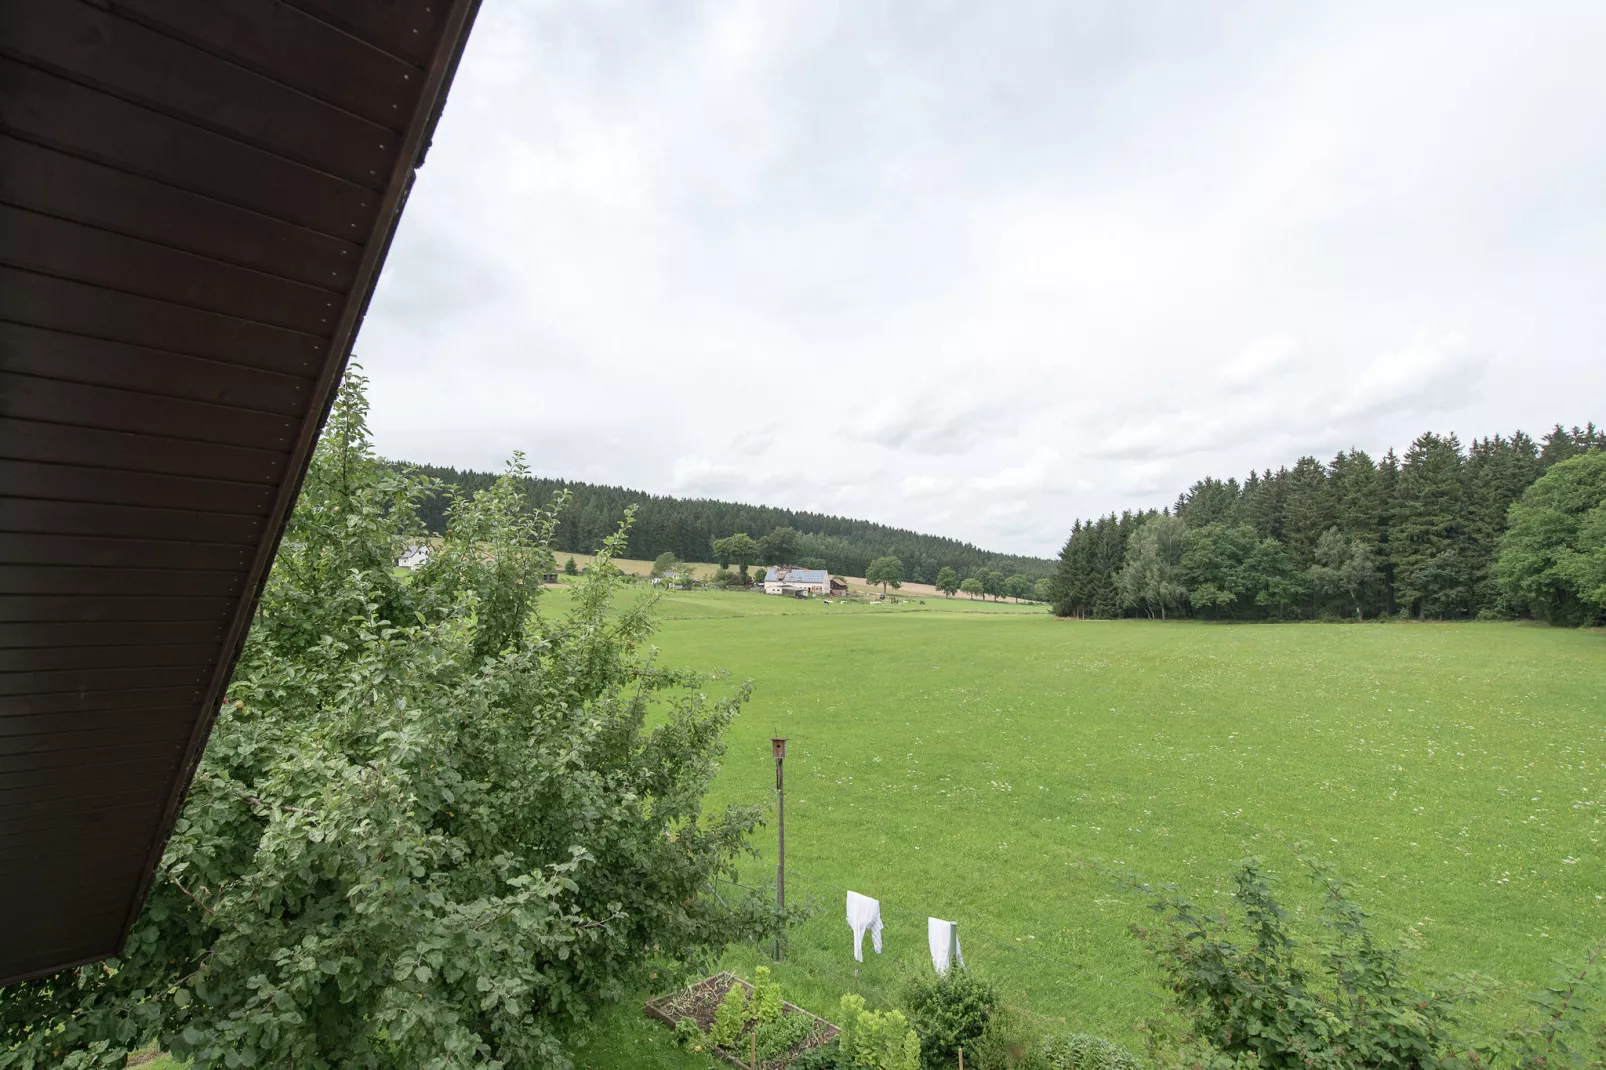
1214, 566
779, 547
740, 548
992, 581
1553, 556
887, 571
1277, 585
947, 581
1344, 569
1151, 577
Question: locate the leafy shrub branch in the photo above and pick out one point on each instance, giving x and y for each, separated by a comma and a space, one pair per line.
434, 825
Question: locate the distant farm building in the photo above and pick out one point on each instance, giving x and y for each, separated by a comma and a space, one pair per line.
414, 557
839, 585
798, 582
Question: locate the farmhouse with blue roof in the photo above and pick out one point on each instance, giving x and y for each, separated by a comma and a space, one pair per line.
798, 582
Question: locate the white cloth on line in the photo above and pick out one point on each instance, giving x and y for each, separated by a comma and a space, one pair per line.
864, 913
944, 939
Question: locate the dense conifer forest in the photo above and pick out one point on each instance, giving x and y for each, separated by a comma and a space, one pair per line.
686, 527
1420, 534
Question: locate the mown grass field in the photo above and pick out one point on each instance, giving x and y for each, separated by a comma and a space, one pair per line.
984, 763
999, 768
701, 570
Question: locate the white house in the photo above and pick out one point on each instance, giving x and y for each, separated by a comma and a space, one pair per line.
802, 582
414, 556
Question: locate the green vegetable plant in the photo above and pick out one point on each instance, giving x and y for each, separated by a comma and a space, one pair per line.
730, 1019
689, 1035
827, 1056
777, 1039
767, 1003
876, 1040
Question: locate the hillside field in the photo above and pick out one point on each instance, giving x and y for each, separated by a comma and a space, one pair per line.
1002, 768
703, 570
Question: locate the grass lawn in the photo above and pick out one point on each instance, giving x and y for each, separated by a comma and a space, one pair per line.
996, 767
984, 763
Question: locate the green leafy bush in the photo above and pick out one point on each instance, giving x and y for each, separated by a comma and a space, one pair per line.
1346, 1001
433, 826
730, 1019
768, 1006
1569, 1030
949, 1011
1083, 1051
1011, 1041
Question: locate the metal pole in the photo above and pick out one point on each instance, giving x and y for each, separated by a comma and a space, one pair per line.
778, 747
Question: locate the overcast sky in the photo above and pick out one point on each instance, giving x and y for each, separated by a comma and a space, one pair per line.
979, 269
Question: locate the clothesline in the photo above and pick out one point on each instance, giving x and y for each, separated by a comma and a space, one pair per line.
969, 930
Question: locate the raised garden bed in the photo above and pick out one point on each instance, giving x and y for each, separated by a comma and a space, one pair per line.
699, 1001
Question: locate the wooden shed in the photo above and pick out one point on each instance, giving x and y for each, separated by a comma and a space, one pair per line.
196, 197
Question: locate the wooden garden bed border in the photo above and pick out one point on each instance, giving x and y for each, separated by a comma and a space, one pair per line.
655, 1009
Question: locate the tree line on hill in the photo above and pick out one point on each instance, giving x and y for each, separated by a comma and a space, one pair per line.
780, 547
1507, 527
688, 528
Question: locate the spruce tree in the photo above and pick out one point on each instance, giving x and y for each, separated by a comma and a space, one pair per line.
1358, 496
1109, 548
1388, 481
1499, 469
1427, 536
1310, 507
1263, 506
1210, 501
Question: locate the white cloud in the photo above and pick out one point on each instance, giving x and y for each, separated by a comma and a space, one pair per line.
1036, 474
982, 271
1265, 358
921, 486
1428, 374
702, 477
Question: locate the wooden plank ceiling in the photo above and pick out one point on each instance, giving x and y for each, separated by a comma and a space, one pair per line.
195, 199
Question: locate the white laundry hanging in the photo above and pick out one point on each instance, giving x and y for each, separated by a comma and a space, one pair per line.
864, 913
944, 939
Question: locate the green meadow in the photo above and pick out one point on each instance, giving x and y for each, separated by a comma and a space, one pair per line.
989, 765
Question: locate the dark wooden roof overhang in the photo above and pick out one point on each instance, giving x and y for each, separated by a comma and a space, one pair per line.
195, 200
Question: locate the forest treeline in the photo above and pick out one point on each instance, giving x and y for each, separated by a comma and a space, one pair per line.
1420, 534
687, 527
